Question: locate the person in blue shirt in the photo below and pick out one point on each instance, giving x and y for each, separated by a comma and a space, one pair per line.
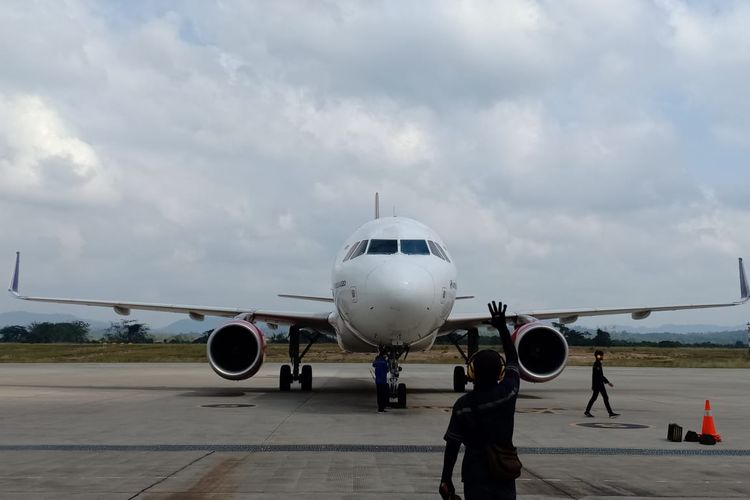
381, 381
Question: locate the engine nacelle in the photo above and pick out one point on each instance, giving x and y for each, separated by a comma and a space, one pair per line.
236, 350
542, 351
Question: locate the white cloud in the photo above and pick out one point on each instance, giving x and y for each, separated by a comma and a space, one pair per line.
373, 132
42, 161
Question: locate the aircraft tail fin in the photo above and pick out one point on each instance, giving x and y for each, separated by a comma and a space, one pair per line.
14, 280
744, 291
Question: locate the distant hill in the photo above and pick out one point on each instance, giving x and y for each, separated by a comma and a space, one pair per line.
24, 318
182, 326
672, 328
721, 338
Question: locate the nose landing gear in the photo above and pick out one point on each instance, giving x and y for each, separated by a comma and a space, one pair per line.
396, 390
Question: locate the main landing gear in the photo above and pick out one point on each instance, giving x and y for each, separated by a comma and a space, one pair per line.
472, 346
396, 391
288, 374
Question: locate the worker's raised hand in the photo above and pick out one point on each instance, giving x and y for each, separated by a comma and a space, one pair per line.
497, 313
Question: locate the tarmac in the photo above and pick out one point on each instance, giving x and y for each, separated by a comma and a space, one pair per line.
177, 431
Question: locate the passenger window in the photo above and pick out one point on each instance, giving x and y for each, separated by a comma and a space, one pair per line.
359, 250
414, 247
382, 247
351, 251
436, 250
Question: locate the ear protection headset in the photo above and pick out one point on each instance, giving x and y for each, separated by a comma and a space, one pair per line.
470, 370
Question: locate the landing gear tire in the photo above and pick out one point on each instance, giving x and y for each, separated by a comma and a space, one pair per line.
459, 379
285, 378
401, 395
305, 378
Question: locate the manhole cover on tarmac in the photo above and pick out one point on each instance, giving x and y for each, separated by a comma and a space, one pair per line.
228, 405
612, 425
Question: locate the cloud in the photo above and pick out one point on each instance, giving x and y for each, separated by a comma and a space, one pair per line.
42, 161
574, 154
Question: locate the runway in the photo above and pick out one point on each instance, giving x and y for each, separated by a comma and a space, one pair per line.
178, 431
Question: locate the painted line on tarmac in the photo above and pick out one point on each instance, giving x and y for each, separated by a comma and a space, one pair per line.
363, 448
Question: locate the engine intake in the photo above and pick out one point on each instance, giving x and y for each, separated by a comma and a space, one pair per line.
236, 350
542, 351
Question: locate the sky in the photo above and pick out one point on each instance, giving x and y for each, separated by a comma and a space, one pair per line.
571, 154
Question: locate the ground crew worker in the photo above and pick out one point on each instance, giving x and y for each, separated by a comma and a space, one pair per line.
381, 381
484, 416
597, 385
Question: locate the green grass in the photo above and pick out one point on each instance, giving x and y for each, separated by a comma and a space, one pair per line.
682, 357
668, 357
101, 353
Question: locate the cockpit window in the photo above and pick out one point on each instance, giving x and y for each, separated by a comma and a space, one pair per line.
437, 251
445, 254
414, 247
359, 250
351, 251
382, 247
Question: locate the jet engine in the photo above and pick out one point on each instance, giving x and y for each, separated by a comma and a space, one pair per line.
236, 350
542, 351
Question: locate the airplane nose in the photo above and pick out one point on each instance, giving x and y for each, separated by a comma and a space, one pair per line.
402, 293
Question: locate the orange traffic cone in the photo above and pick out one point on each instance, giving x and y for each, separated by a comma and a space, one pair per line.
708, 423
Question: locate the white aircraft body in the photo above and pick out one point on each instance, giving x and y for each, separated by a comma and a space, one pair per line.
393, 286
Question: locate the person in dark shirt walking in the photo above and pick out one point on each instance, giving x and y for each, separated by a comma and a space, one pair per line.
381, 381
597, 385
482, 419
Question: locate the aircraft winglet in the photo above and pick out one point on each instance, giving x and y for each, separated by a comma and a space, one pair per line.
744, 291
14, 280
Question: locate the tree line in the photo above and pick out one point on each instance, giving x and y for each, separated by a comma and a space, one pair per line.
601, 338
76, 332
133, 332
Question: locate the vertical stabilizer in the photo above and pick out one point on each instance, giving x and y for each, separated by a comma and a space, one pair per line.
377, 205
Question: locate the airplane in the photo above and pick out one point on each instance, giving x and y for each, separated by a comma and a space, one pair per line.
393, 288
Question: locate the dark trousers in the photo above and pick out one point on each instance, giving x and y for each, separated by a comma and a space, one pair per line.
495, 490
382, 396
595, 395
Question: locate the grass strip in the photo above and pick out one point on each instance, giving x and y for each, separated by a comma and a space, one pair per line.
679, 357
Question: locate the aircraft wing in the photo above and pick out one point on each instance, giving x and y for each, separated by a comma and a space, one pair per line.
464, 321
313, 298
318, 321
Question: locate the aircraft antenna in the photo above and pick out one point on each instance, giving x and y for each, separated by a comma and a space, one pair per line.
377, 205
